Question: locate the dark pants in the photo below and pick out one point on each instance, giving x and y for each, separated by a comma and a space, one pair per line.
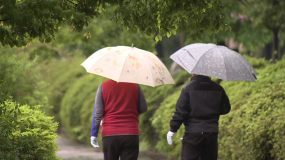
198, 146
124, 146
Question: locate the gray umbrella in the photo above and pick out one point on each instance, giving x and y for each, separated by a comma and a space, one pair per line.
214, 61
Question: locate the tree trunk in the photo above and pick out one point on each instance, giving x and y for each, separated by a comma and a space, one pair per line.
182, 39
268, 51
275, 44
159, 49
158, 46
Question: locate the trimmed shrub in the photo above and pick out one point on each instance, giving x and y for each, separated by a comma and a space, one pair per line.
161, 122
26, 133
77, 107
61, 75
21, 79
254, 129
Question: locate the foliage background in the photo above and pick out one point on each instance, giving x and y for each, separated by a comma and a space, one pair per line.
49, 74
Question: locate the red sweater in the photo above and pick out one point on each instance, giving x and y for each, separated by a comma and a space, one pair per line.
120, 108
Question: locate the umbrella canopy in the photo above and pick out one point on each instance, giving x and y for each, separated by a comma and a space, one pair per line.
214, 61
128, 64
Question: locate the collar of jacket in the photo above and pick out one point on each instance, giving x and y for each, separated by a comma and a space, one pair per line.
200, 77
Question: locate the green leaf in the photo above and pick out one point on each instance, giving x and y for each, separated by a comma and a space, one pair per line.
209, 32
13, 2
67, 14
78, 16
15, 115
159, 37
36, 26
156, 38
168, 34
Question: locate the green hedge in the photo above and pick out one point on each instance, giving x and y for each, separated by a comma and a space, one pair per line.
161, 120
255, 128
26, 133
21, 78
77, 106
61, 75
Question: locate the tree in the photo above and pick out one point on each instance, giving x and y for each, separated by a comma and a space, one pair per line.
167, 17
269, 13
253, 23
257, 23
242, 30
100, 33
24, 20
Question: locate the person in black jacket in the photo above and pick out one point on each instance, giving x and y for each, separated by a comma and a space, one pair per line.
199, 107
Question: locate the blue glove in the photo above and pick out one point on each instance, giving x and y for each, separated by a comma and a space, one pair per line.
94, 142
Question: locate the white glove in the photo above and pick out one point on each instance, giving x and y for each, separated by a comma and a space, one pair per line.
94, 142
169, 137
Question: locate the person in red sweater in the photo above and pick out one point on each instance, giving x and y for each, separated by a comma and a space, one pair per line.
118, 105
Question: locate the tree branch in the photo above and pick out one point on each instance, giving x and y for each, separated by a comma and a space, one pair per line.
242, 2
268, 26
8, 66
72, 2
4, 19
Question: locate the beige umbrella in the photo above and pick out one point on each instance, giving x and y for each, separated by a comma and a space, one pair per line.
128, 64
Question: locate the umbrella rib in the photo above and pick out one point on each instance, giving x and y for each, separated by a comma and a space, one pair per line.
123, 66
202, 55
181, 63
149, 65
190, 55
243, 61
103, 55
225, 66
151, 74
88, 69
200, 58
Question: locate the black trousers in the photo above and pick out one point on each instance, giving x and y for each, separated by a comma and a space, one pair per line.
200, 146
124, 146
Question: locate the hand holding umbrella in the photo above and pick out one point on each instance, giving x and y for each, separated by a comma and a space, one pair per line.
169, 137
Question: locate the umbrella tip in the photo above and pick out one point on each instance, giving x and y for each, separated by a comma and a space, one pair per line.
132, 45
217, 40
253, 74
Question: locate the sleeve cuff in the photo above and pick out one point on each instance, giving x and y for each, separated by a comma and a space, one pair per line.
172, 130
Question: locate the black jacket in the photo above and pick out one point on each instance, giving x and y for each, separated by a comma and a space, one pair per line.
200, 105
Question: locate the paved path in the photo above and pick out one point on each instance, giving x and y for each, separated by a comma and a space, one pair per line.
70, 150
